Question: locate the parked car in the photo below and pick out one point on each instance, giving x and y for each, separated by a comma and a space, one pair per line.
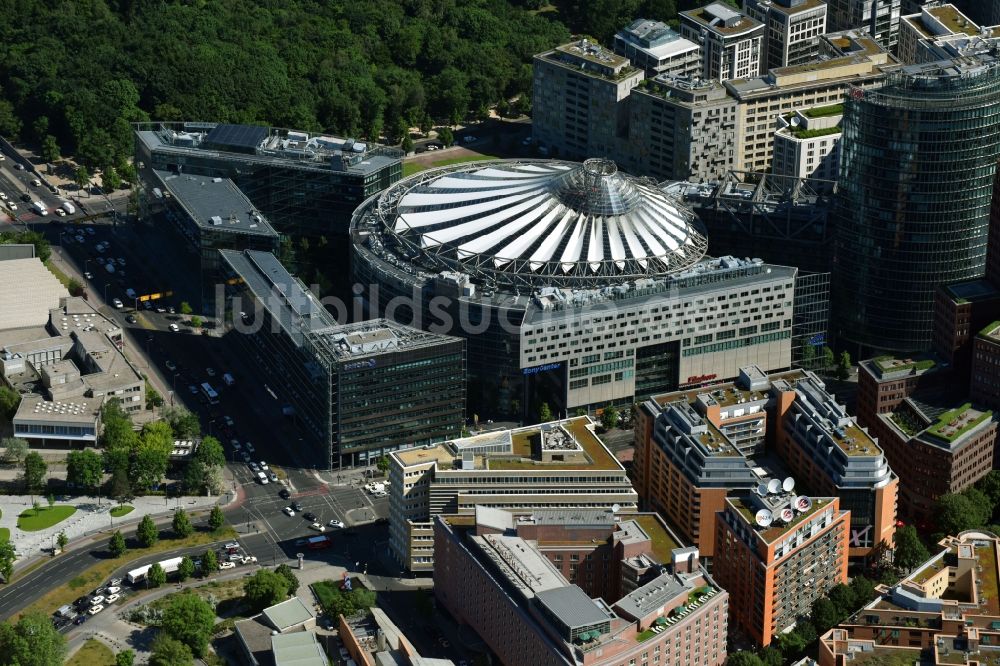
289, 511
336, 523
130, 319
112, 599
318, 527
309, 515
115, 582
97, 601
210, 372
175, 328
296, 506
263, 466
171, 366
254, 468
117, 302
249, 559
88, 275
273, 477
94, 610
284, 494
249, 447
227, 565
80, 619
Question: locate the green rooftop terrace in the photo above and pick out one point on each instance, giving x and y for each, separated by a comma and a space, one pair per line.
893, 364
824, 111
662, 541
990, 331
803, 133
956, 422
954, 20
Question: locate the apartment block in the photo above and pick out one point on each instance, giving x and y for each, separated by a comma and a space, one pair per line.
580, 100
792, 29
807, 144
697, 448
784, 90
960, 311
776, 555
921, 35
493, 576
658, 49
944, 612
556, 465
682, 129
984, 387
935, 453
879, 18
884, 382
731, 43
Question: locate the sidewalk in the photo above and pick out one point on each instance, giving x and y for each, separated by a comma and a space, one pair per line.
92, 518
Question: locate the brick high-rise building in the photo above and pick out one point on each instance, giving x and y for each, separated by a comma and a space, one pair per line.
775, 555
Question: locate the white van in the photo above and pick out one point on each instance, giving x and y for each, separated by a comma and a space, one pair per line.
228, 379
39, 208
68, 207
262, 478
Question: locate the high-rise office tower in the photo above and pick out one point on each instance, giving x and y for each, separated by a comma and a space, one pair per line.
916, 177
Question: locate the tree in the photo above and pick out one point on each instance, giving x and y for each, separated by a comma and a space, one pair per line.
185, 569
50, 499
62, 540
150, 461
843, 366
744, 658
286, 572
168, 651
15, 448
824, 614
209, 562
864, 591
117, 433
189, 619
446, 136
182, 523
153, 398
957, 512
609, 417
74, 287
210, 452
336, 601
117, 546
910, 550
7, 557
827, 357
50, 149
156, 575
196, 321
127, 172
34, 471
216, 519
265, 588
147, 534
82, 177
84, 469
110, 180
33, 641
843, 599
382, 464
186, 308
990, 486
183, 423
407, 144
771, 656
125, 658
544, 413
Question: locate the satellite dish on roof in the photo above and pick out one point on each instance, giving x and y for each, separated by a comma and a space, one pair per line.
773, 486
795, 121
802, 503
615, 508
764, 517
788, 485
761, 489
786, 515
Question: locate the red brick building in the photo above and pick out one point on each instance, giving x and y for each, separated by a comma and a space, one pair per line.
491, 574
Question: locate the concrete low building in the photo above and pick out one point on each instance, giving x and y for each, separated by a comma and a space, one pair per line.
807, 144
562, 464
281, 635
494, 576
945, 612
66, 371
28, 290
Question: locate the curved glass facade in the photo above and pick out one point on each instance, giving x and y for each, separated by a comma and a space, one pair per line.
917, 163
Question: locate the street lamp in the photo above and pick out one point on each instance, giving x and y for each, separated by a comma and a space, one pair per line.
106, 285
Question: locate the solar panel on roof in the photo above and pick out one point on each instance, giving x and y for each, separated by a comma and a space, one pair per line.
241, 137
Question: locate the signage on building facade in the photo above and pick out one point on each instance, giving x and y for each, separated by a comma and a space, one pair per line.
359, 365
698, 379
861, 538
541, 368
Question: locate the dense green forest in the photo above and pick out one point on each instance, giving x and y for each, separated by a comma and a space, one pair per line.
75, 73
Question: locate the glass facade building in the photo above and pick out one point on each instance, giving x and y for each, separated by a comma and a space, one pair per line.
360, 390
916, 176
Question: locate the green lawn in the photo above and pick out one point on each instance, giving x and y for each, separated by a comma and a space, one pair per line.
122, 510
32, 521
410, 168
92, 653
62, 277
4, 535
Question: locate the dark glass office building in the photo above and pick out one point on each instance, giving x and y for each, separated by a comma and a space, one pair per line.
360, 390
917, 163
306, 184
